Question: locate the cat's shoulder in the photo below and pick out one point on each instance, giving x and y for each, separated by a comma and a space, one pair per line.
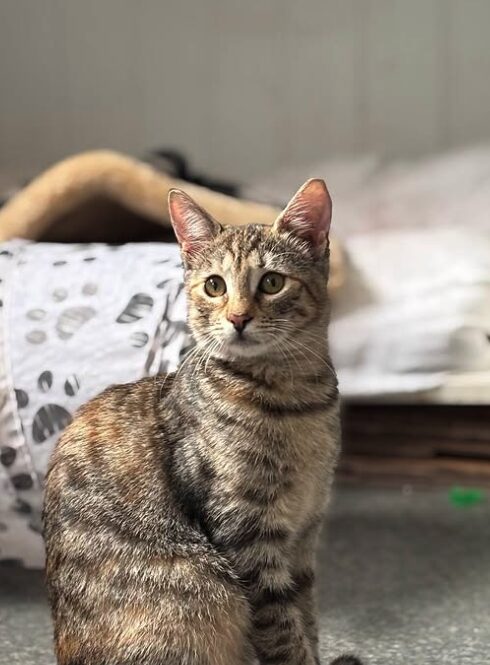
138, 397
113, 427
118, 410
120, 416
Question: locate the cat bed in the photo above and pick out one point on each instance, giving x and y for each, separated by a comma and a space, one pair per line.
75, 319
102, 196
105, 196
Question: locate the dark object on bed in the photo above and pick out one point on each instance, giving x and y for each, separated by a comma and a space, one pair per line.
177, 165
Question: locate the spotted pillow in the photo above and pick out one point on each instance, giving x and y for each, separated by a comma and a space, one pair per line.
73, 320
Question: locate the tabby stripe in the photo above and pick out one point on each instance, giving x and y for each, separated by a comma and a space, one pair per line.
279, 657
227, 419
268, 407
247, 432
303, 581
281, 410
283, 656
256, 457
253, 575
312, 295
240, 537
106, 525
241, 374
254, 240
190, 492
259, 495
283, 639
264, 624
274, 616
75, 474
274, 597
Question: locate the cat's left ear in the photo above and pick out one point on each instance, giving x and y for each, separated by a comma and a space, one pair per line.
193, 226
308, 214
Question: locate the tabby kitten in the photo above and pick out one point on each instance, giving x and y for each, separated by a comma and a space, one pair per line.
182, 512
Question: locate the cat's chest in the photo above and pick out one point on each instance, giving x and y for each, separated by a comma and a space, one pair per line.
280, 469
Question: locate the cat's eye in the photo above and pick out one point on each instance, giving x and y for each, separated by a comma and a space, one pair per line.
215, 286
271, 282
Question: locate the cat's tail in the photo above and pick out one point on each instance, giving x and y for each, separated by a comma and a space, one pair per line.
346, 660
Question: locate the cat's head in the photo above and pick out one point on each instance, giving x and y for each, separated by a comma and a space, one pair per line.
256, 290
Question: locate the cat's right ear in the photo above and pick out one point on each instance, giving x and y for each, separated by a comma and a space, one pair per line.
193, 226
307, 216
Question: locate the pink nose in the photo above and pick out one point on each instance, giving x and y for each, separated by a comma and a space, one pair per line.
239, 321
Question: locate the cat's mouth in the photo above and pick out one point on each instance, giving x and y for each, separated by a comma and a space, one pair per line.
244, 337
243, 344
242, 340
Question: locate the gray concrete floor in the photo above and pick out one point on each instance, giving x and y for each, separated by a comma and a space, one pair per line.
405, 580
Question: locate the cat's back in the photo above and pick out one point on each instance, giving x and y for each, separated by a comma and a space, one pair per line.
120, 556
105, 466
113, 422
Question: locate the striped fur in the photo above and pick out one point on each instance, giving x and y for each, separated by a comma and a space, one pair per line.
182, 512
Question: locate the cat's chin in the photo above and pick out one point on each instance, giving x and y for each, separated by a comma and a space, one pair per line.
243, 348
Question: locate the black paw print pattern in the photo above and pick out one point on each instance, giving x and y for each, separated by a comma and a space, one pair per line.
50, 418
19, 479
138, 306
172, 339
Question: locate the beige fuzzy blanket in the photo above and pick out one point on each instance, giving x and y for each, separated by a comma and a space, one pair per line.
102, 196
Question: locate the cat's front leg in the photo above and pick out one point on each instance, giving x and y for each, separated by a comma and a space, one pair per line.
278, 632
278, 629
304, 576
261, 557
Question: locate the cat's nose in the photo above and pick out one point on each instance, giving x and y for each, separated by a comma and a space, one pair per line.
239, 321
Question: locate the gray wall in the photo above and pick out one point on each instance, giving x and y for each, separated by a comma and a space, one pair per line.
243, 86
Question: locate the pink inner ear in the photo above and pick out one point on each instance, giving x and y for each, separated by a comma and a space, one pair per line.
309, 213
192, 225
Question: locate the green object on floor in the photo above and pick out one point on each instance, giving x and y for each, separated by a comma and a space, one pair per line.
463, 497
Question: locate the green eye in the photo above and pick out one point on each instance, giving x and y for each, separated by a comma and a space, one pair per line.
271, 282
215, 286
